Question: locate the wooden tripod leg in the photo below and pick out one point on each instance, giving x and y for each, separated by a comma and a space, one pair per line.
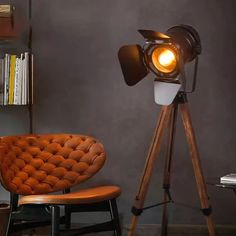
148, 169
167, 170
201, 185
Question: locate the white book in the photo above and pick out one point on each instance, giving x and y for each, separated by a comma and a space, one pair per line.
228, 179
16, 83
26, 80
6, 79
32, 78
23, 82
2, 75
19, 102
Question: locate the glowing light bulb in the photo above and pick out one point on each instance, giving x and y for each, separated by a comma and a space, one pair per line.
166, 58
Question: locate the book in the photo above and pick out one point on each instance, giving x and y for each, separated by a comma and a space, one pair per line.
20, 79
23, 80
16, 82
1, 80
25, 96
228, 179
6, 78
12, 79
32, 79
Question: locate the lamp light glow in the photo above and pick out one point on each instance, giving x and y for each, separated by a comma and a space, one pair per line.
164, 59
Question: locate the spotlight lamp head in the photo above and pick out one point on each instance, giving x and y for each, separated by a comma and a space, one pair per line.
164, 55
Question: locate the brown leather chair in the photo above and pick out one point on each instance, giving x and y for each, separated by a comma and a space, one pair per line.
32, 166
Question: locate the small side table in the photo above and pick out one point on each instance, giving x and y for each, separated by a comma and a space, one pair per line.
216, 182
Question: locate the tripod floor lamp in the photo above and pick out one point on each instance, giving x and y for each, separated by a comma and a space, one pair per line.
165, 55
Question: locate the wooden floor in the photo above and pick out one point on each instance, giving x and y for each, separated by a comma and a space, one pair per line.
154, 230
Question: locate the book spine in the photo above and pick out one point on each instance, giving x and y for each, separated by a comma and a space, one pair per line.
16, 83
20, 79
23, 81
26, 80
6, 78
32, 79
2, 67
12, 78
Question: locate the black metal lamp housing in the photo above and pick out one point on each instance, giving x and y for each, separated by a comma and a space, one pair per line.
162, 54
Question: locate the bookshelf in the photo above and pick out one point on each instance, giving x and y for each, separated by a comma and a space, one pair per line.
16, 60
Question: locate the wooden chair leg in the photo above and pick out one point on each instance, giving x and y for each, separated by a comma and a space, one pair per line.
115, 217
55, 212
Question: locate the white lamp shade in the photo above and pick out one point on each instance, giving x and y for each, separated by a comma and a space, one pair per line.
165, 93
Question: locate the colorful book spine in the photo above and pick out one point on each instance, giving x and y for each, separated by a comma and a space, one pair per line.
12, 79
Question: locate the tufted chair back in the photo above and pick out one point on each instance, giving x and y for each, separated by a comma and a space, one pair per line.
36, 164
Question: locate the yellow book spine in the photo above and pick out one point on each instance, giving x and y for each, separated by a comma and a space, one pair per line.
12, 78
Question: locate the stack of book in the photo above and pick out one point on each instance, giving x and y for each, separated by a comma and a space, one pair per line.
14, 79
228, 179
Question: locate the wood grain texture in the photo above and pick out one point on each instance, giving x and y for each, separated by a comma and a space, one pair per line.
149, 165
90, 195
195, 157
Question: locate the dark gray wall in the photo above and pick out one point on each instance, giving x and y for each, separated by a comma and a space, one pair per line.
79, 88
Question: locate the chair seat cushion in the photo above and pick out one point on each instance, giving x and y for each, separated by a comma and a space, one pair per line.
86, 196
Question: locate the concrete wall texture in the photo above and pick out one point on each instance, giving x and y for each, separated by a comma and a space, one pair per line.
79, 88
